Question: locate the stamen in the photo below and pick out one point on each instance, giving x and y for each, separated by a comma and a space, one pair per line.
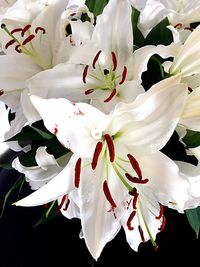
108, 195
89, 91
114, 60
190, 89
111, 147
85, 71
28, 39
16, 30
123, 75
25, 29
62, 202
135, 165
110, 96
189, 29
135, 201
67, 205
1, 92
135, 179
96, 155
179, 25
161, 212
18, 49
141, 233
40, 29
132, 215
77, 173
96, 59
163, 224
9, 43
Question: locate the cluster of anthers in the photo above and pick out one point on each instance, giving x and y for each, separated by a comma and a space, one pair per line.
107, 77
25, 35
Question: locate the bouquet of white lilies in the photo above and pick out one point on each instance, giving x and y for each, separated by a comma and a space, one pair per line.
103, 102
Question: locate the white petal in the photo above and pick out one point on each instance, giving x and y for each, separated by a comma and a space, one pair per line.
15, 70
191, 114
98, 221
65, 80
169, 184
148, 123
109, 31
142, 55
153, 13
77, 126
187, 61
62, 184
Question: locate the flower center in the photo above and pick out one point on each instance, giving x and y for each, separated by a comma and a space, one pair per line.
21, 39
105, 77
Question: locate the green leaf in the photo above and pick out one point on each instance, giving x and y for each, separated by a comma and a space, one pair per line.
193, 216
18, 183
45, 135
96, 6
137, 35
50, 214
29, 133
192, 139
160, 34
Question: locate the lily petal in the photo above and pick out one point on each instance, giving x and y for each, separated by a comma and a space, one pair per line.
77, 126
62, 184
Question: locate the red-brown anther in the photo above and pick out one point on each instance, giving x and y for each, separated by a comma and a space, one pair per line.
96, 155
190, 89
161, 212
163, 224
132, 215
114, 91
77, 173
123, 75
9, 43
114, 60
67, 205
135, 201
18, 49
189, 29
111, 147
141, 233
96, 59
16, 30
62, 202
1, 92
85, 71
28, 39
135, 165
179, 25
25, 29
40, 29
108, 195
135, 179
89, 91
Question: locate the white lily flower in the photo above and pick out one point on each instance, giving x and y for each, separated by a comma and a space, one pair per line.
178, 12
100, 70
117, 173
31, 48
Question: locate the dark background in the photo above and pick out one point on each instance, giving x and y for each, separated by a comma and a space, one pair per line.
57, 243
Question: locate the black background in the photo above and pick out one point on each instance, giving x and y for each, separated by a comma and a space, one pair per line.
57, 243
